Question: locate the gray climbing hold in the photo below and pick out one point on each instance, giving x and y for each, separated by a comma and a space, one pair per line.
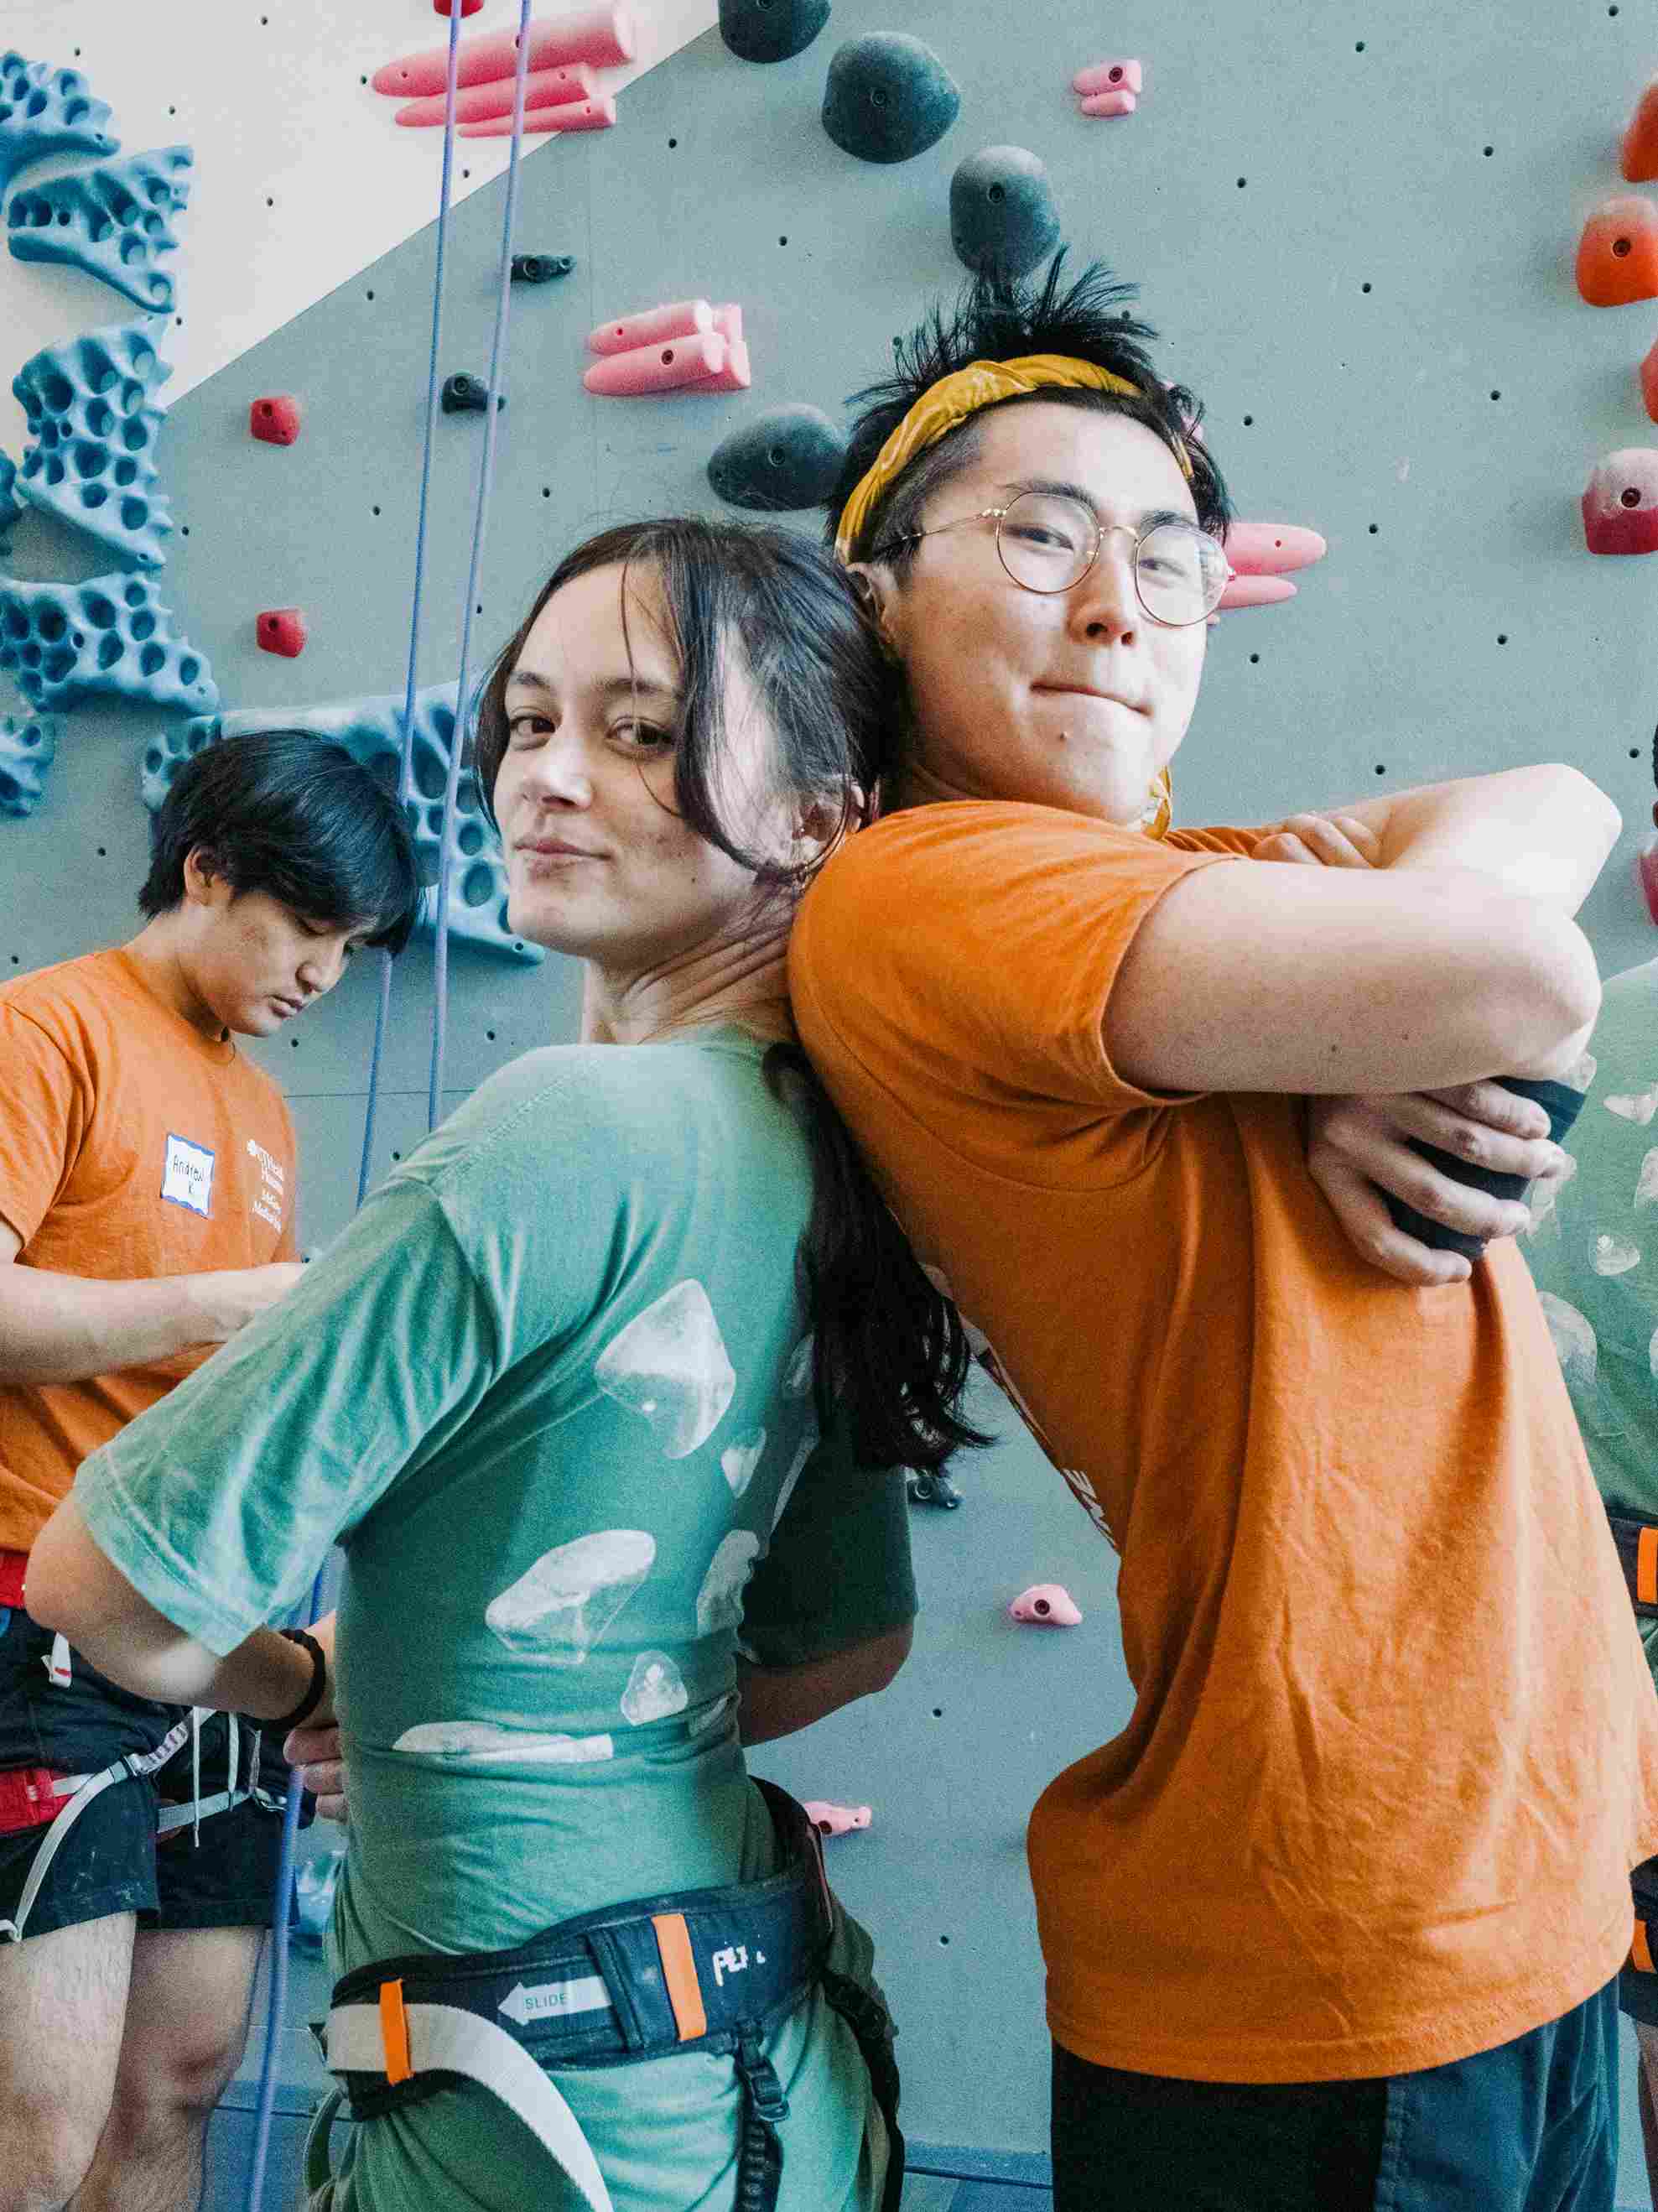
888, 97
789, 457
1002, 214
371, 729
110, 221
47, 111
27, 751
64, 642
771, 30
92, 461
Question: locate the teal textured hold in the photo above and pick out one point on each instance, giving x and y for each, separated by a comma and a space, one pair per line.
789, 457
94, 431
47, 111
27, 751
1002, 214
371, 729
888, 97
11, 507
64, 642
771, 30
110, 221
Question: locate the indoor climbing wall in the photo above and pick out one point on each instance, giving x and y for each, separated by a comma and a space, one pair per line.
1357, 228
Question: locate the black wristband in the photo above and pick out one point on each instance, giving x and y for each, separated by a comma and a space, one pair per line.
1558, 1101
319, 1682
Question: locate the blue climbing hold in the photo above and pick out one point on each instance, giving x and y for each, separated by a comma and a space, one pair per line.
888, 97
789, 457
92, 461
61, 643
371, 729
111, 221
47, 111
771, 30
1002, 215
11, 507
27, 751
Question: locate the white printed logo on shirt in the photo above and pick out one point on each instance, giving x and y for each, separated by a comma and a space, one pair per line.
187, 1178
272, 1193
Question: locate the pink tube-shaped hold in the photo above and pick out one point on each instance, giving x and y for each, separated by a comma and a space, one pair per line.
1109, 103
728, 321
1256, 592
541, 89
680, 319
1110, 77
596, 114
665, 367
1273, 548
603, 37
736, 376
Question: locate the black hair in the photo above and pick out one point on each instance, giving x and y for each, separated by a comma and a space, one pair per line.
891, 1358
998, 318
297, 818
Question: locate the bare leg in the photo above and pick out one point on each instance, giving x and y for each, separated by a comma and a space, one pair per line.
186, 2027
1647, 2091
62, 2001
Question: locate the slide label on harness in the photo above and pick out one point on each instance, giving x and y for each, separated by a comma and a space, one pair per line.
546, 2000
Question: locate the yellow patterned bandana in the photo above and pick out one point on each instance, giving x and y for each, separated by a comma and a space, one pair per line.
952, 400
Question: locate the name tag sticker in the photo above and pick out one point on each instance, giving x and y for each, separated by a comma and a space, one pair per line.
187, 1178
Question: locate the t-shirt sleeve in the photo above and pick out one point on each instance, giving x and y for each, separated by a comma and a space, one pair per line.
1239, 843
220, 1504
45, 1105
976, 952
839, 1571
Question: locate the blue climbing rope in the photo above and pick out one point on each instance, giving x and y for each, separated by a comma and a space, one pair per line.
276, 2000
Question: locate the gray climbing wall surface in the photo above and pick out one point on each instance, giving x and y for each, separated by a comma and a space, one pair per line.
1355, 227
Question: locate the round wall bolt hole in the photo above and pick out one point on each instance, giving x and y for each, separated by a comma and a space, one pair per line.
1376, 530
1630, 498
782, 241
672, 142
1248, 420
1621, 246
1243, 181
997, 192
1380, 769
1364, 288
1490, 151
1497, 395
1253, 659
938, 1712
1502, 637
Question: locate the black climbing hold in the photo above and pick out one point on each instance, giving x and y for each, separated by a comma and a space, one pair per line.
464, 395
1002, 214
771, 30
888, 97
541, 268
789, 457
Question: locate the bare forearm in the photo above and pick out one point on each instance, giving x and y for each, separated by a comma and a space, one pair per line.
64, 1329
1544, 832
265, 1678
777, 1701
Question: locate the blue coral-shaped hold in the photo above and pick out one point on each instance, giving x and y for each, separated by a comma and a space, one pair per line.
111, 221
27, 751
371, 729
93, 459
11, 506
47, 111
65, 642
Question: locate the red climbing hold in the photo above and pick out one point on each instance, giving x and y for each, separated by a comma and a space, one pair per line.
467, 8
1617, 255
1620, 506
1650, 383
275, 420
680, 362
1640, 150
282, 629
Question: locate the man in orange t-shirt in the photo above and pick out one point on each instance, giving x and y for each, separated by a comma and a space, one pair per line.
147, 1213
1336, 1921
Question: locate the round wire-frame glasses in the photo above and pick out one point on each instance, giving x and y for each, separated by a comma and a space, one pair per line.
1047, 542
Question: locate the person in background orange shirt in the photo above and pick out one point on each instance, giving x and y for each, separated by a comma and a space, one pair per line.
1336, 1921
147, 1213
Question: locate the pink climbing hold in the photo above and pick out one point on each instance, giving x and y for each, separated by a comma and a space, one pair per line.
680, 319
1110, 77
834, 1819
596, 114
548, 87
1272, 549
1047, 1605
1254, 591
282, 629
728, 321
735, 376
603, 37
275, 420
467, 8
679, 363
1646, 874
1109, 103
1620, 505
1650, 383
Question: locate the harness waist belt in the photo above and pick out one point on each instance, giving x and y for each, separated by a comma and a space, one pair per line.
1637, 1553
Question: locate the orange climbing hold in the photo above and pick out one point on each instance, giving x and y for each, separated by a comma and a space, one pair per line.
1617, 255
1639, 156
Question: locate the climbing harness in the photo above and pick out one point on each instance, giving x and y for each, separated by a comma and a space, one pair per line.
1637, 1554
709, 1970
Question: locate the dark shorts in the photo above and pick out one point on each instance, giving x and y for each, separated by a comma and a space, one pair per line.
112, 1858
1638, 1985
1529, 2127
